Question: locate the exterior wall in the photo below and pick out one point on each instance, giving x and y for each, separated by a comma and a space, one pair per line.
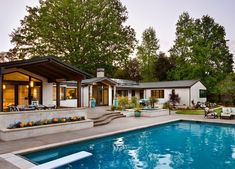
195, 93
47, 94
110, 96
67, 103
182, 92
137, 94
8, 118
85, 98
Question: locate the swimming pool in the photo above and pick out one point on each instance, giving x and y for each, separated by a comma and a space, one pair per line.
177, 145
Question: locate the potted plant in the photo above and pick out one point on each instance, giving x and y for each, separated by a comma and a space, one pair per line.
152, 101
137, 112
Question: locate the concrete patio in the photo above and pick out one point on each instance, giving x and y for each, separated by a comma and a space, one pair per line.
118, 125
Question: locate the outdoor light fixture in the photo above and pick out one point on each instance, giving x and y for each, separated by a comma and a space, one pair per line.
31, 83
4, 87
27, 86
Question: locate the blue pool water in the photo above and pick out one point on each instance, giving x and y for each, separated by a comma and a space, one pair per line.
178, 145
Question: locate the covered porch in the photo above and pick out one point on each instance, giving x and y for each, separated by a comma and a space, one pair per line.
102, 89
27, 82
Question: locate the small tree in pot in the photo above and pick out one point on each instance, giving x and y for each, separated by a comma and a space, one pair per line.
152, 101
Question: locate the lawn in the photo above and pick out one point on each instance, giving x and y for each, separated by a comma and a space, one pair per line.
196, 112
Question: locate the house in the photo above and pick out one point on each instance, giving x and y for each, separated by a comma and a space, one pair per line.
30, 80
48, 81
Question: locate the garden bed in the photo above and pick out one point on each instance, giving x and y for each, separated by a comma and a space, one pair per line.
26, 132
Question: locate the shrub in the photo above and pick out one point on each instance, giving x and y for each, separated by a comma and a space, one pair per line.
134, 100
152, 101
123, 101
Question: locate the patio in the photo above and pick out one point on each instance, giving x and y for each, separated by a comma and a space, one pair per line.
129, 123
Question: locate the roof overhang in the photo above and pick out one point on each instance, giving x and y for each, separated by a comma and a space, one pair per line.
49, 67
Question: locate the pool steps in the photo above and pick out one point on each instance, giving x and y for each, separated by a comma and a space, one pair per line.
107, 118
63, 161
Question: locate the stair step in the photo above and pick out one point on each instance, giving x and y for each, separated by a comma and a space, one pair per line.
106, 114
106, 117
108, 120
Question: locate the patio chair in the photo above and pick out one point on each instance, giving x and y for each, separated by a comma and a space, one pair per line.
210, 113
226, 113
13, 108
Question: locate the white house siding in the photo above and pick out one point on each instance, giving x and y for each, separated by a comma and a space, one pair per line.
195, 92
110, 96
85, 96
47, 94
182, 92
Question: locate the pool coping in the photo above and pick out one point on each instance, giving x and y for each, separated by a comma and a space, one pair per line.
20, 162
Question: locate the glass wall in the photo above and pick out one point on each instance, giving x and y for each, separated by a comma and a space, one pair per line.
20, 89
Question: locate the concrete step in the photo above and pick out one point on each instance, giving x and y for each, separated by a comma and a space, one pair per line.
108, 120
106, 116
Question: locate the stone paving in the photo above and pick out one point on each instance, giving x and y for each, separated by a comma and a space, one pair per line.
116, 125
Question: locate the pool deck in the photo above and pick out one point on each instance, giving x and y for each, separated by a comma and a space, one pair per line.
116, 126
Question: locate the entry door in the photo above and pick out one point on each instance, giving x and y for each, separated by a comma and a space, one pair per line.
102, 97
23, 95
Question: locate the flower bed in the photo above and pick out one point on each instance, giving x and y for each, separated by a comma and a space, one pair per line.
46, 122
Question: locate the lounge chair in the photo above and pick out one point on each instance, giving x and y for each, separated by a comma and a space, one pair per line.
227, 113
210, 113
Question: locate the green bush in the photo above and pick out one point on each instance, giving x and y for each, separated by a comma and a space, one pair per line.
134, 100
152, 101
123, 101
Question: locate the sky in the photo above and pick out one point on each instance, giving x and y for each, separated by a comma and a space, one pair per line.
162, 15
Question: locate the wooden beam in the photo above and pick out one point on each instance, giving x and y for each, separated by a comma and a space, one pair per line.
79, 94
58, 94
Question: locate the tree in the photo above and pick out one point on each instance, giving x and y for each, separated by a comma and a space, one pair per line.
147, 54
200, 51
132, 70
7, 56
226, 89
174, 98
162, 66
86, 34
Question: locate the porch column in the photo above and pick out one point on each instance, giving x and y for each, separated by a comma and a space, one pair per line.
79, 93
110, 96
90, 95
1, 91
57, 94
114, 92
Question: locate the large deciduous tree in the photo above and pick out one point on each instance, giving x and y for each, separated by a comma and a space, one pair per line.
162, 67
85, 33
200, 51
147, 54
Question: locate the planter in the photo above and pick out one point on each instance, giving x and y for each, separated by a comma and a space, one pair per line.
137, 113
20, 133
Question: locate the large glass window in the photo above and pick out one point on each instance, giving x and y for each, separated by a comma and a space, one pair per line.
8, 96
71, 93
157, 93
202, 93
62, 93
36, 93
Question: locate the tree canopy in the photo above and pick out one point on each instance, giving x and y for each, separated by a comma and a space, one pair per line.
200, 51
147, 54
87, 34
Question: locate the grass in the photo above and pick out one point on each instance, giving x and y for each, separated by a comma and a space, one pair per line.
191, 112
196, 112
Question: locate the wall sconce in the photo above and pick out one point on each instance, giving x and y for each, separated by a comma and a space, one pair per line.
31, 83
27, 86
4, 87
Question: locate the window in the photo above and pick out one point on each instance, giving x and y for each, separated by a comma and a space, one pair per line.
157, 93
202, 93
71, 93
133, 93
62, 93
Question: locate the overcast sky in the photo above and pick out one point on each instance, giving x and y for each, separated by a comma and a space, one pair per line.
160, 14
